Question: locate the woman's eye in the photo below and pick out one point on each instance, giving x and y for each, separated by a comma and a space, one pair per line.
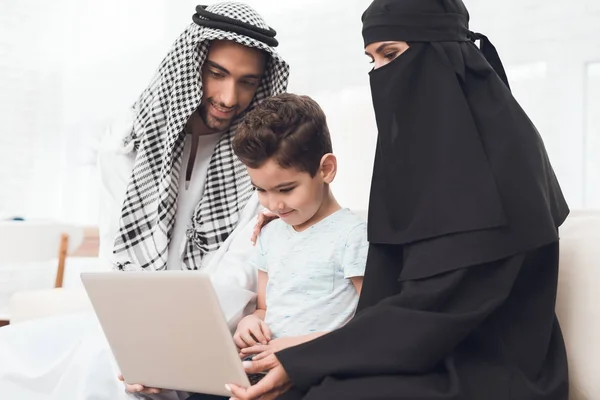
391, 56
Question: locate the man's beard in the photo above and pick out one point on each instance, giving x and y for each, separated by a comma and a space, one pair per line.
213, 123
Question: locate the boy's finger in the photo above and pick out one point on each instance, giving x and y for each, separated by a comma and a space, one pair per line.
248, 339
258, 334
239, 342
266, 330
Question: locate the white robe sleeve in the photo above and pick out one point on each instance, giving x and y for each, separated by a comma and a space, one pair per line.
115, 165
232, 271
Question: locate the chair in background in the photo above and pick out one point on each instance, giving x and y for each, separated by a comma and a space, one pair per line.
33, 255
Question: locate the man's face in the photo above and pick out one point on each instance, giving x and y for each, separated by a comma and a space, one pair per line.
231, 75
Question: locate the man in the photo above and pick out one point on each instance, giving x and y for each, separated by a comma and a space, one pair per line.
221, 66
156, 216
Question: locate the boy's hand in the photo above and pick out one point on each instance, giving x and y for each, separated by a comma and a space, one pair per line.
263, 219
251, 331
137, 388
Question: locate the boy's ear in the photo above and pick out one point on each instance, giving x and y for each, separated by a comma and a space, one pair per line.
328, 167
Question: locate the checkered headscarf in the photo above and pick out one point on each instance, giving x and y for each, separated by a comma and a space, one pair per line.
148, 213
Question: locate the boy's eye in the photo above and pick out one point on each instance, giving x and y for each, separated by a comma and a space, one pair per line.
286, 190
258, 189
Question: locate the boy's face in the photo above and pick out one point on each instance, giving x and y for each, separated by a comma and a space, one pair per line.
294, 196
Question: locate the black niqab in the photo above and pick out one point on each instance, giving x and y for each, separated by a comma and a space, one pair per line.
459, 164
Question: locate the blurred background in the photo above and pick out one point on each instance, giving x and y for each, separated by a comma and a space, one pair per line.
68, 67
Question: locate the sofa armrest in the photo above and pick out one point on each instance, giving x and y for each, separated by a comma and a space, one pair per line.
27, 305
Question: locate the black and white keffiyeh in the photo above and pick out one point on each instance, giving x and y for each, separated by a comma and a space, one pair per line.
148, 213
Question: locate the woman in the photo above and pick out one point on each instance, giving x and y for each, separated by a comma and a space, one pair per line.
459, 293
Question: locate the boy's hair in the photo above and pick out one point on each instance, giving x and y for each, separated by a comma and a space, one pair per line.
290, 129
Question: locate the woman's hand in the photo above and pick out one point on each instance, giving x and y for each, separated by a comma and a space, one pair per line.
275, 383
251, 331
263, 350
263, 219
137, 388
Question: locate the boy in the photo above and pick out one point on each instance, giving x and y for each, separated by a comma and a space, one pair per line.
311, 260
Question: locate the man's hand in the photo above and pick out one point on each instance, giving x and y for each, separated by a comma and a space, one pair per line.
137, 388
251, 331
275, 383
263, 219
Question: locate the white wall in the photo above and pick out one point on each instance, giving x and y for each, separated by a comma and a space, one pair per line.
68, 66
564, 103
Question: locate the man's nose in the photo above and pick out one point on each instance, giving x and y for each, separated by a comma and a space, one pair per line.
228, 95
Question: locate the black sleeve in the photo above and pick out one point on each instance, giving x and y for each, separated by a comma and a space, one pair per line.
410, 332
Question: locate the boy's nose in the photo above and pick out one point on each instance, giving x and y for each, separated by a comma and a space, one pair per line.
277, 206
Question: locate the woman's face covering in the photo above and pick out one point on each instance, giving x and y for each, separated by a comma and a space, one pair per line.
382, 53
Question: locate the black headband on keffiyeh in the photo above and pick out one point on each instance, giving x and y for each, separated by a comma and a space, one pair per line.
148, 213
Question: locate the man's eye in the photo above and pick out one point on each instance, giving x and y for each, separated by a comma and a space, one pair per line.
250, 83
215, 74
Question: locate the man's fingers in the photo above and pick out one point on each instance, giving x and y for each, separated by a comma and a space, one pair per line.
135, 388
260, 221
151, 391
263, 219
255, 234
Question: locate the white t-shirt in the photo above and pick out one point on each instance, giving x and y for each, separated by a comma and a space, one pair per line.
309, 287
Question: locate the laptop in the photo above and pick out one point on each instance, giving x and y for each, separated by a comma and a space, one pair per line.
166, 330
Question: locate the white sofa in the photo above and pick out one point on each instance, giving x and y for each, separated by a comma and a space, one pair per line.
578, 304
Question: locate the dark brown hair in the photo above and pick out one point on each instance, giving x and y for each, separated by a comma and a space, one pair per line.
289, 128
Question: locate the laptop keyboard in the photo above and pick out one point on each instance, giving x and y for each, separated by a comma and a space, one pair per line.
254, 378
